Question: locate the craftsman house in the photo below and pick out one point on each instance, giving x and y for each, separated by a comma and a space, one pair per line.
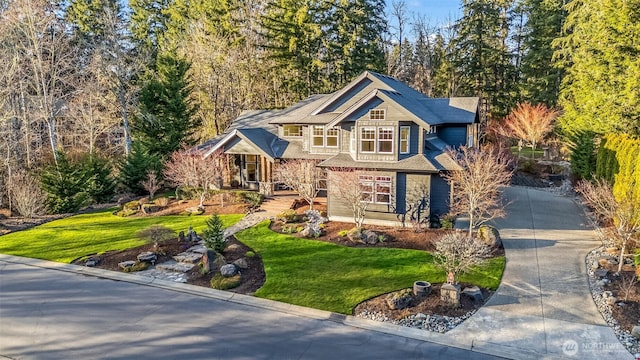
395, 136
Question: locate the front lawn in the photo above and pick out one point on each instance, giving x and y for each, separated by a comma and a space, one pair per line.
70, 238
336, 278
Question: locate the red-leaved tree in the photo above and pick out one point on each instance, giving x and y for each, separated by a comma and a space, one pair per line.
530, 123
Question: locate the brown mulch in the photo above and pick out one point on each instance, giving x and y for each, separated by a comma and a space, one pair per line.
627, 313
428, 305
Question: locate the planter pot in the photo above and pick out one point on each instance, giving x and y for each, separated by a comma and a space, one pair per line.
421, 288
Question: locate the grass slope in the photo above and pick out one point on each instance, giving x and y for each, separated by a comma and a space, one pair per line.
337, 278
70, 238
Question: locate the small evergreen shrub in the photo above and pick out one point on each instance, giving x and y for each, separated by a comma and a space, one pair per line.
213, 235
224, 283
156, 234
64, 184
250, 254
251, 198
288, 216
161, 201
343, 233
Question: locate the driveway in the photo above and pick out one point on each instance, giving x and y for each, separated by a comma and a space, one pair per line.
543, 307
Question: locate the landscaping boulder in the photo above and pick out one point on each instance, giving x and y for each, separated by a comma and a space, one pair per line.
370, 237
241, 263
232, 247
126, 264
601, 273
194, 210
147, 256
607, 261
421, 288
219, 261
474, 293
150, 208
228, 270
355, 235
490, 236
635, 332
188, 257
399, 299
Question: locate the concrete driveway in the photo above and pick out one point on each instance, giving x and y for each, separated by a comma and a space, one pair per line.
543, 307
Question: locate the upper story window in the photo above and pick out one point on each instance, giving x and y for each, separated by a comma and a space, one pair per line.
292, 130
405, 131
332, 137
432, 130
376, 114
321, 137
318, 136
376, 139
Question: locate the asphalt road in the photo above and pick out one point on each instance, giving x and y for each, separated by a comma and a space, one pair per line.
52, 314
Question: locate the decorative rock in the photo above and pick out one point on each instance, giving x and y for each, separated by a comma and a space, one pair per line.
219, 261
195, 210
421, 316
188, 257
228, 270
199, 249
473, 292
421, 288
612, 250
126, 264
181, 237
450, 294
611, 300
601, 273
607, 261
241, 263
175, 266
370, 237
233, 247
147, 256
489, 235
90, 263
635, 332
399, 300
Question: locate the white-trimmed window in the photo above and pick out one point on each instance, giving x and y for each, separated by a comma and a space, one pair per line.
405, 132
368, 139
317, 136
385, 140
376, 189
332, 137
292, 130
354, 139
376, 114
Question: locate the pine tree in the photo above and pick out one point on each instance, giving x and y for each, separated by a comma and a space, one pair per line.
100, 185
165, 122
64, 183
134, 168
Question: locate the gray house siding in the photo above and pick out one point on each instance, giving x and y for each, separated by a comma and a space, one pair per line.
439, 195
453, 135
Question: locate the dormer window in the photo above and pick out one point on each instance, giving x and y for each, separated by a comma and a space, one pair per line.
292, 130
432, 130
376, 114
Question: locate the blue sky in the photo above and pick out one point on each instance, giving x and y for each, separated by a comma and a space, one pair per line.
437, 11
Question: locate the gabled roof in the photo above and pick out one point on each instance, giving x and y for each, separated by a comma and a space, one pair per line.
261, 140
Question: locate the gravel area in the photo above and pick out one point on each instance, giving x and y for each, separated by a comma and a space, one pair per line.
436, 323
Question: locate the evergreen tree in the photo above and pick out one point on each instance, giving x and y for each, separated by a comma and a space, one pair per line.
213, 235
134, 168
601, 89
483, 55
64, 183
165, 122
148, 23
100, 185
583, 155
540, 78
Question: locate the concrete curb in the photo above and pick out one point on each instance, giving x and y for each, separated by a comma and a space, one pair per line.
296, 310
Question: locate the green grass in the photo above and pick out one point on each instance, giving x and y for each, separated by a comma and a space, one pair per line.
527, 153
337, 278
70, 238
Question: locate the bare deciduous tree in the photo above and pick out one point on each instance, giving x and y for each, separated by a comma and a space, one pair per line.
191, 168
344, 184
628, 284
26, 195
477, 186
152, 183
623, 212
301, 175
457, 253
531, 123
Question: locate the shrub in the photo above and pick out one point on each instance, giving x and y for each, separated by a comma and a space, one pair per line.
213, 235
446, 222
343, 233
250, 254
125, 212
139, 266
25, 192
457, 253
288, 216
161, 201
134, 168
528, 166
132, 205
224, 283
100, 185
252, 198
156, 234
